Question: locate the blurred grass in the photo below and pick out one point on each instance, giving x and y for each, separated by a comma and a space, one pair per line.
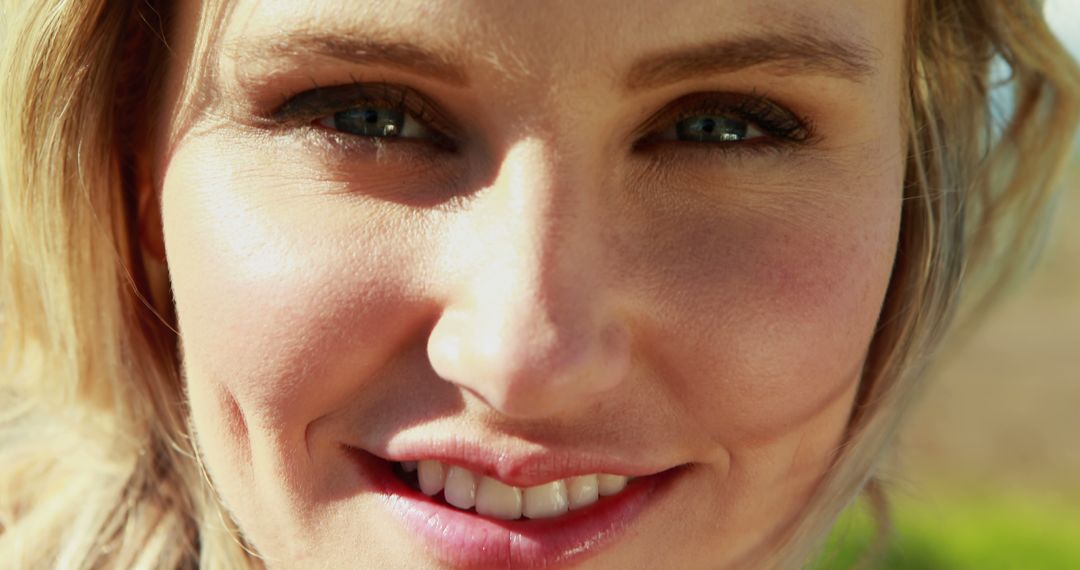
993, 532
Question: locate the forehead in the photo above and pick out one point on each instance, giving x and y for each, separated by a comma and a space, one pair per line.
562, 41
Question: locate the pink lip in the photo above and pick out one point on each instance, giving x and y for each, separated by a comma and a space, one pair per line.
464, 539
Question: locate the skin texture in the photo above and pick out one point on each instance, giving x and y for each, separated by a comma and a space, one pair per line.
548, 286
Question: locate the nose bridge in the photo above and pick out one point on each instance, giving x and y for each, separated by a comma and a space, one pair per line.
544, 209
533, 327
543, 309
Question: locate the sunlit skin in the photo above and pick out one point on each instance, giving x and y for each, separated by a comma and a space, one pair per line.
548, 286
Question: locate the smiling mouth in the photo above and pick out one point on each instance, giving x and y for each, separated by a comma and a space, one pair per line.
466, 490
467, 519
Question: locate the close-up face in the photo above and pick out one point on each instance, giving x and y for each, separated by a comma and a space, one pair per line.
525, 244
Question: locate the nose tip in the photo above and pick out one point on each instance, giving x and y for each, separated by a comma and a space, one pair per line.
531, 322
531, 365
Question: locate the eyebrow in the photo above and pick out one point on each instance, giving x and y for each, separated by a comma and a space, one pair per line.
796, 53
359, 50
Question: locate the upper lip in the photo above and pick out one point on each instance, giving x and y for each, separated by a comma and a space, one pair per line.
520, 468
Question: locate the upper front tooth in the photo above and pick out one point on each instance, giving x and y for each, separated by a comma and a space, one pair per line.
464, 489
460, 488
611, 484
548, 500
431, 476
582, 491
497, 499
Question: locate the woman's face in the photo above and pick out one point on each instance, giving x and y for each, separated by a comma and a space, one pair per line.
534, 242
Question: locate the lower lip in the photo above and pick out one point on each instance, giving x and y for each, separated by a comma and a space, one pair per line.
464, 539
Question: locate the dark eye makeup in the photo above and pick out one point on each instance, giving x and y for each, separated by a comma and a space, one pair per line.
379, 113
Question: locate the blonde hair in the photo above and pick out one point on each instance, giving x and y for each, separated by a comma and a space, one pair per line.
100, 468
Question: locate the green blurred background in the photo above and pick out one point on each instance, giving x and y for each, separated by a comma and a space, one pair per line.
987, 473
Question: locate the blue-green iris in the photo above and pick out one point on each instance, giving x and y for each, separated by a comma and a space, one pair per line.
711, 129
370, 121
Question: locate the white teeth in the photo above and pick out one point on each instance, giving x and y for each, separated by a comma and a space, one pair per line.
431, 477
582, 491
611, 484
460, 488
545, 501
465, 490
497, 499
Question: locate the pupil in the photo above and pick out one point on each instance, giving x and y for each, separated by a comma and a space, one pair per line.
712, 129
370, 121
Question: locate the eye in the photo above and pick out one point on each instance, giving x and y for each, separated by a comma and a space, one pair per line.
712, 128
726, 121
372, 112
377, 122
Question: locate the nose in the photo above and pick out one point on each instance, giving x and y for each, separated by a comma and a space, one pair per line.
531, 326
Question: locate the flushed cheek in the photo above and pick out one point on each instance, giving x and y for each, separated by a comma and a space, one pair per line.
773, 307
806, 324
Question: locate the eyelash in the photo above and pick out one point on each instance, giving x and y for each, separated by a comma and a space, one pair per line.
781, 127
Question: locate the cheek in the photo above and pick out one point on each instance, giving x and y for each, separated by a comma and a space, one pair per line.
773, 297
269, 281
